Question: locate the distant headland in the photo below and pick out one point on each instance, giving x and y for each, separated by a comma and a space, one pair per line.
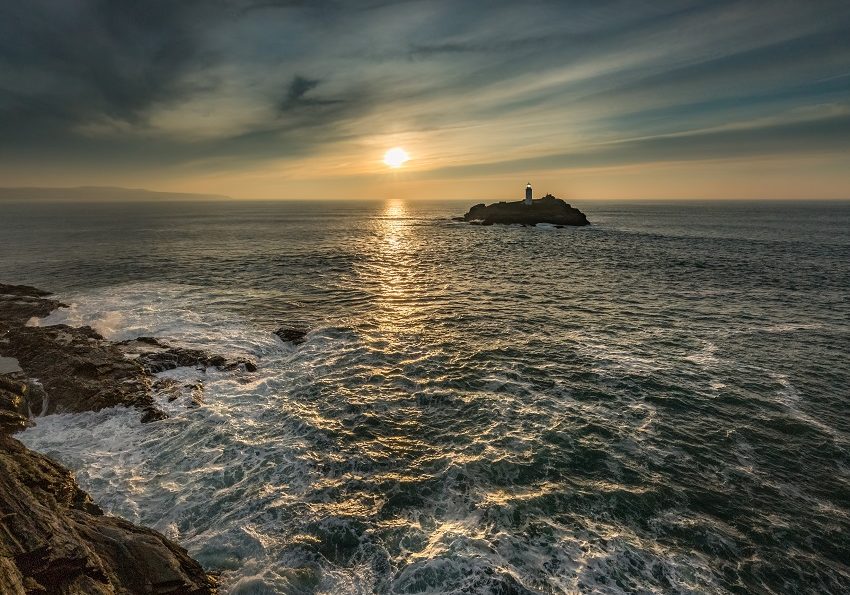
98, 194
548, 209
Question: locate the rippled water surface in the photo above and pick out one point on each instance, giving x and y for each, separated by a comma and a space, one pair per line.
658, 402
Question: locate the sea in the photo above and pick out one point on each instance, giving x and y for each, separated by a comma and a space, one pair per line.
656, 403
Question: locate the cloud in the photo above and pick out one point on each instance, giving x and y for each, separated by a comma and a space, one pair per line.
173, 84
805, 136
299, 87
65, 64
106, 57
296, 95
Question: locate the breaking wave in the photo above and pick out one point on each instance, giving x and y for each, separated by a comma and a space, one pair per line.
482, 410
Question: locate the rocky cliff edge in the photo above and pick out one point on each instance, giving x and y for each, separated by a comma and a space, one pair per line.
53, 537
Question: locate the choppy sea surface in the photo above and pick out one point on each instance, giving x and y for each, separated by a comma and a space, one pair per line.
656, 403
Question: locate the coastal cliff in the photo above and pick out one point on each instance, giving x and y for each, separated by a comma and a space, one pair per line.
547, 209
53, 537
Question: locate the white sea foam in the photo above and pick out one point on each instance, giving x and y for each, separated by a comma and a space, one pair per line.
165, 474
789, 397
256, 484
706, 357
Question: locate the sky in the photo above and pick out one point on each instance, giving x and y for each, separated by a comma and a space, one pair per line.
587, 99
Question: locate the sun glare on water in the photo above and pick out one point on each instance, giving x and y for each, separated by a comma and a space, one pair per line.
396, 157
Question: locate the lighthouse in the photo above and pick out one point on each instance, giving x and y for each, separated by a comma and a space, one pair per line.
528, 194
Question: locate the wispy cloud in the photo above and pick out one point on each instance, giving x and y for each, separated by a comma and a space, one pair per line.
801, 137
476, 87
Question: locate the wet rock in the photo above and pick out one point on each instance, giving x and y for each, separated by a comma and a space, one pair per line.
175, 357
178, 357
291, 335
12, 384
12, 409
152, 413
78, 369
248, 365
192, 393
11, 421
22, 291
54, 539
156, 356
152, 341
197, 394
167, 387
10, 401
548, 209
19, 303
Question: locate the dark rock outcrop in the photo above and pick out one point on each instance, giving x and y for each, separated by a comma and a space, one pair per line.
19, 303
53, 538
23, 291
79, 370
155, 357
548, 209
291, 335
13, 393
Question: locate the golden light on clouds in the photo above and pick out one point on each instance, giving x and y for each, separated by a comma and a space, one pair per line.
396, 157
393, 104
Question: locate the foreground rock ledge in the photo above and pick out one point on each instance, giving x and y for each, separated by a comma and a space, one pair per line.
548, 209
53, 538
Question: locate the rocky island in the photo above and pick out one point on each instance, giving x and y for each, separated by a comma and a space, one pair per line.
53, 537
547, 209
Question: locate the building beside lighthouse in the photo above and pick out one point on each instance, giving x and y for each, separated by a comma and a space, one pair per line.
528, 194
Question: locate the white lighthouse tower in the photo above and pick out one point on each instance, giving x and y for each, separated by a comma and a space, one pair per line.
528, 194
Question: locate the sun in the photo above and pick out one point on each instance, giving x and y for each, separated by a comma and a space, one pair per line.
396, 157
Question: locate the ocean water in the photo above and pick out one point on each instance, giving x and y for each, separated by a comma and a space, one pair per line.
656, 403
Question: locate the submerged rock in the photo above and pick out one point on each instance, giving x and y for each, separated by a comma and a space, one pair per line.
19, 303
155, 357
548, 209
291, 335
23, 291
